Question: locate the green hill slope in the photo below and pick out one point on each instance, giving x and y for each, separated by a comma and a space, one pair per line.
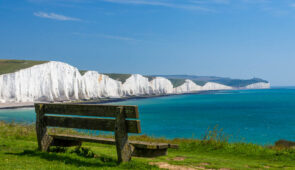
10, 66
118, 77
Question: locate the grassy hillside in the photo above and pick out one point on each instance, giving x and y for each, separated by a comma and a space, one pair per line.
177, 82
238, 82
119, 77
200, 82
18, 150
82, 72
10, 66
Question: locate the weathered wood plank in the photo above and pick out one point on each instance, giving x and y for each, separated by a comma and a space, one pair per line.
111, 141
108, 141
149, 145
89, 110
44, 140
133, 126
121, 137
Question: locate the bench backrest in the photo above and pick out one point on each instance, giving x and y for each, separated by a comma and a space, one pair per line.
85, 116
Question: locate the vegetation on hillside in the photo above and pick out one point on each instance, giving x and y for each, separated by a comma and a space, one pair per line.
82, 72
119, 77
10, 66
238, 82
200, 82
18, 150
177, 82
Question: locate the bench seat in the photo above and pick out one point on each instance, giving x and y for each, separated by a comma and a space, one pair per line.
140, 148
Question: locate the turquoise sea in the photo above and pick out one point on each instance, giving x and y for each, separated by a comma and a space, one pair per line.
257, 116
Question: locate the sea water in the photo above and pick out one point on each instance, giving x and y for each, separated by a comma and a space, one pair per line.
257, 116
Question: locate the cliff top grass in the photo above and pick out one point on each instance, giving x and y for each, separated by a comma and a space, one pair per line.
119, 77
18, 150
10, 66
238, 82
177, 82
200, 82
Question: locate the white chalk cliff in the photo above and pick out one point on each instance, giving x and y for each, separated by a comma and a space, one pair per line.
260, 85
187, 87
57, 81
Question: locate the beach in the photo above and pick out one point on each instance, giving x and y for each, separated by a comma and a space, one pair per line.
15, 105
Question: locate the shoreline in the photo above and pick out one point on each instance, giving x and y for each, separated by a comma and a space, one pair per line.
103, 100
16, 105
96, 101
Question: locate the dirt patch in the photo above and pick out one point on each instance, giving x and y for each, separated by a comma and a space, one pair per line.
179, 158
165, 165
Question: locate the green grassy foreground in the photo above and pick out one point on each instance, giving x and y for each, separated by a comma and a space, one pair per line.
18, 146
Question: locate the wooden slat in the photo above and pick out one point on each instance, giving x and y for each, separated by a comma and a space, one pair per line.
89, 110
110, 141
133, 126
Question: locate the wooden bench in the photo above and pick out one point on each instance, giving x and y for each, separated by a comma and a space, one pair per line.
121, 120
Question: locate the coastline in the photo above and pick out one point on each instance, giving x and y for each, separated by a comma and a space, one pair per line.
101, 100
16, 105
105, 100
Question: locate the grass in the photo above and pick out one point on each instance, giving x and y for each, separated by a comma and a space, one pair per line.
200, 82
177, 82
119, 77
10, 66
18, 150
238, 82
82, 72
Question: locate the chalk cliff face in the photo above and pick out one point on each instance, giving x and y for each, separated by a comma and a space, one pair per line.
136, 85
160, 85
57, 81
187, 87
48, 82
260, 85
215, 86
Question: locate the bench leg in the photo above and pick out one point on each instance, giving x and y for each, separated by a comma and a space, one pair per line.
148, 153
121, 136
44, 140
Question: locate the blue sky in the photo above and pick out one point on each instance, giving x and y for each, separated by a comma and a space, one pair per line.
232, 38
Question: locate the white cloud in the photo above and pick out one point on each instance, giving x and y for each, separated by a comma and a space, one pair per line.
161, 3
211, 1
116, 37
256, 1
55, 16
107, 36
